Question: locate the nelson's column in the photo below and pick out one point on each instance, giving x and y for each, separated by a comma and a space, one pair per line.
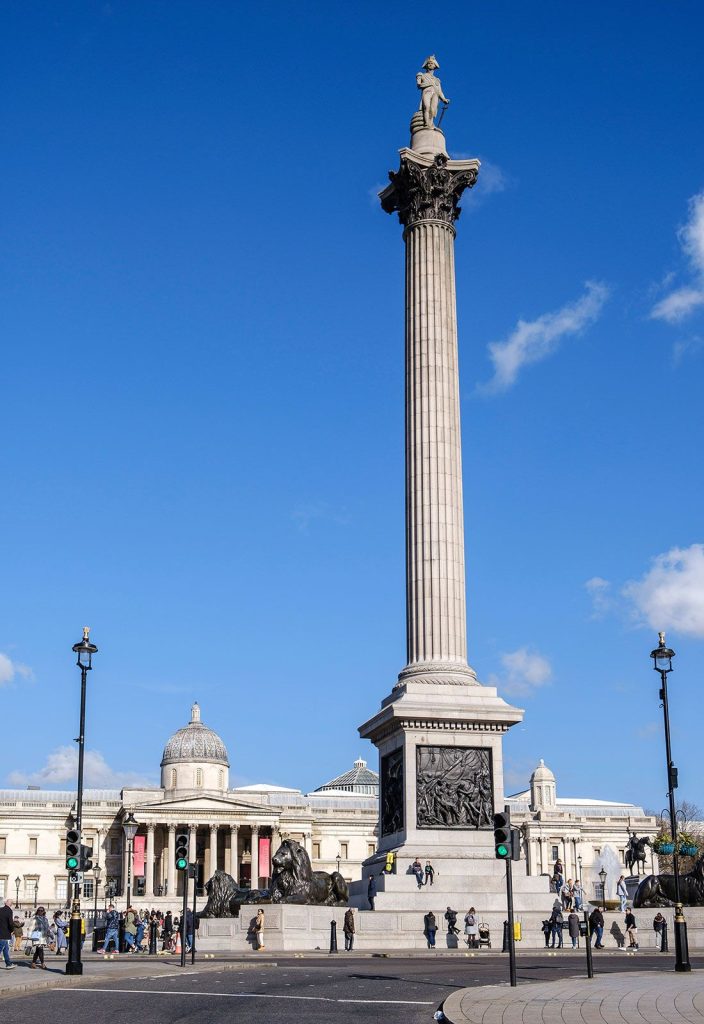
439, 732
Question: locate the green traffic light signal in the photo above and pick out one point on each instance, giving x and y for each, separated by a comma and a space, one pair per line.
71, 863
181, 864
501, 850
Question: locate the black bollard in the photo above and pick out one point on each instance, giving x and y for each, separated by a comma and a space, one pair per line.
152, 937
664, 948
333, 936
504, 948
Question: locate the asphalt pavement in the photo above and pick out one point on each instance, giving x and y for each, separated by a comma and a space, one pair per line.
358, 988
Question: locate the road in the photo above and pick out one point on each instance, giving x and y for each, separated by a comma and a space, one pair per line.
310, 991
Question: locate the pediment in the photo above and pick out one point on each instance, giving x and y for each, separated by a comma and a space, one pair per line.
205, 803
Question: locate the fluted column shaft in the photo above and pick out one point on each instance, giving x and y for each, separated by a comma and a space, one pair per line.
149, 862
254, 869
171, 872
435, 578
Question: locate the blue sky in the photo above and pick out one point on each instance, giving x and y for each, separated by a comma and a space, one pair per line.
202, 378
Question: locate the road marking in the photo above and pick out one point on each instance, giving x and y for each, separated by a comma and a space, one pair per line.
247, 995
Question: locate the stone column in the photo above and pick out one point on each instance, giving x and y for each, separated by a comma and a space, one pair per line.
171, 862
125, 848
232, 861
425, 193
213, 851
192, 844
275, 839
254, 870
149, 862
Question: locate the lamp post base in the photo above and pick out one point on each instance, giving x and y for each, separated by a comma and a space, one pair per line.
681, 945
73, 964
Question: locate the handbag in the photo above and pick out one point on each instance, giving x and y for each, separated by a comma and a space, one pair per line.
36, 935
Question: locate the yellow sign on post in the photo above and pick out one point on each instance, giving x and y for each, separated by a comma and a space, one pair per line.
517, 931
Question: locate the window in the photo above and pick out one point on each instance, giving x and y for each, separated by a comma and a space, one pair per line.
316, 851
3, 888
173, 778
344, 851
29, 883
199, 776
61, 889
555, 852
32, 846
88, 889
62, 848
371, 849
3, 842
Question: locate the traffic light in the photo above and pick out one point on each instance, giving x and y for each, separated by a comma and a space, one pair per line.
515, 844
182, 851
86, 862
73, 849
502, 835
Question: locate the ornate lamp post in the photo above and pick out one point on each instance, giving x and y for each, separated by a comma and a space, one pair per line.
662, 662
339, 858
129, 827
17, 891
36, 890
84, 652
96, 883
602, 879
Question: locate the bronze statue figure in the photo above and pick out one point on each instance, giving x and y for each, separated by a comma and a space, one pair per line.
294, 881
659, 890
635, 852
225, 896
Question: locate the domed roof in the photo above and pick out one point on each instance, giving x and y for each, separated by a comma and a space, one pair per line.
358, 779
195, 742
542, 773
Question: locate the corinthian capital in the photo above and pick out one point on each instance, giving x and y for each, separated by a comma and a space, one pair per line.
428, 188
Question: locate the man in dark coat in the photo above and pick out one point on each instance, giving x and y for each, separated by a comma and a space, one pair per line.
371, 891
596, 925
7, 924
348, 929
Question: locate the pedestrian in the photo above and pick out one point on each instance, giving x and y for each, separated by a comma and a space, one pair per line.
168, 930
577, 895
371, 891
18, 932
632, 930
429, 873
622, 893
348, 929
558, 874
60, 927
41, 937
659, 929
259, 929
7, 926
418, 872
556, 920
566, 895
130, 930
471, 928
112, 930
573, 927
546, 930
451, 918
189, 929
596, 925
430, 928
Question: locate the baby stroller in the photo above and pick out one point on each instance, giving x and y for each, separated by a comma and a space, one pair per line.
484, 935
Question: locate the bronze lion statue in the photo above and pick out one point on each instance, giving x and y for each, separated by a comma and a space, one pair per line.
225, 897
294, 881
659, 890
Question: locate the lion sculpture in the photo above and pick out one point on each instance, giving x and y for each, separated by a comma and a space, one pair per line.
225, 897
659, 890
294, 881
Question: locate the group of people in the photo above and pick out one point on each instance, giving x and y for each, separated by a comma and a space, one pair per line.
471, 927
424, 875
36, 932
136, 927
570, 893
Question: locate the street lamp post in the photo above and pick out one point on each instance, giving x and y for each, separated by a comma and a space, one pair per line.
36, 890
129, 827
662, 662
96, 883
17, 891
84, 651
602, 879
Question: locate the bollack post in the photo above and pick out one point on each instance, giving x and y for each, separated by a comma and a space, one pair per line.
511, 937
333, 936
152, 938
588, 940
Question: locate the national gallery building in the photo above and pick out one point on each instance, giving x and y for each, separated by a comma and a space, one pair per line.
239, 829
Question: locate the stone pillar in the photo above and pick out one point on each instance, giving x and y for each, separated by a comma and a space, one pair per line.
192, 844
232, 860
275, 839
125, 849
254, 870
425, 193
149, 862
213, 851
170, 876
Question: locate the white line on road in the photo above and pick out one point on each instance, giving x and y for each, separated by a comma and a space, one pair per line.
248, 995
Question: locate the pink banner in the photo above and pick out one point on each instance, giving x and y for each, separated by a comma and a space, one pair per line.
138, 855
264, 857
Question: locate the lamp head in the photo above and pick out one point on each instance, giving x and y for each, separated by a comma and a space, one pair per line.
130, 826
85, 650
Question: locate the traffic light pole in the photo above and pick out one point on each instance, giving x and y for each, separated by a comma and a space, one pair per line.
186, 873
73, 964
511, 935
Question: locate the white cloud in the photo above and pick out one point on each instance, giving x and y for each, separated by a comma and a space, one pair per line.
9, 670
671, 594
61, 767
534, 340
492, 178
687, 347
599, 591
683, 301
523, 672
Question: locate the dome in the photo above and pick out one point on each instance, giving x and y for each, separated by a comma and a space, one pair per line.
359, 779
542, 773
195, 742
